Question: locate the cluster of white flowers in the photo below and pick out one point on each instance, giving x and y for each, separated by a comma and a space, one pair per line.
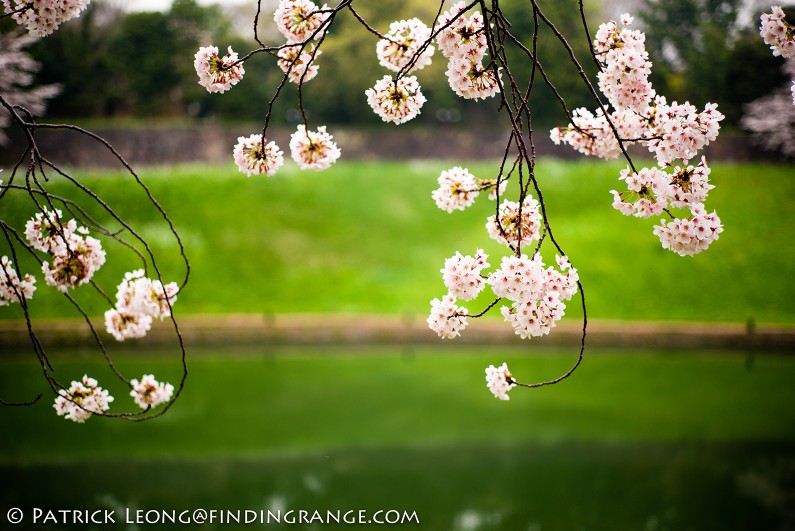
589, 134
139, 300
82, 400
684, 131
297, 64
313, 150
461, 39
778, 33
689, 236
396, 101
12, 288
75, 255
253, 156
461, 35
463, 42
299, 20
457, 189
217, 74
42, 17
499, 381
515, 226
624, 77
124, 324
651, 191
673, 132
538, 294
402, 44
645, 196
462, 274
447, 319
48, 233
149, 393
469, 79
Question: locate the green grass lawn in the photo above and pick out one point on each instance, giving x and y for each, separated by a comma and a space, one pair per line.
365, 237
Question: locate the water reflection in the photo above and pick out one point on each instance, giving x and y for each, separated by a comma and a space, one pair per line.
539, 487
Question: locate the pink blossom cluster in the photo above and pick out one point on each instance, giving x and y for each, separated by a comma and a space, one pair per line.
139, 300
591, 133
462, 40
461, 35
652, 191
681, 131
690, 236
299, 20
624, 76
124, 324
396, 101
469, 79
402, 46
446, 318
537, 293
778, 33
217, 74
47, 232
313, 150
42, 17
670, 131
254, 156
499, 381
75, 255
462, 274
645, 193
457, 189
298, 62
149, 393
12, 288
515, 226
81, 400
675, 131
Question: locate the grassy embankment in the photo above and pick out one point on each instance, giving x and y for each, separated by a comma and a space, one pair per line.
366, 238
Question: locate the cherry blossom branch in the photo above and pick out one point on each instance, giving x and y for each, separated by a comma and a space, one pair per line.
75, 256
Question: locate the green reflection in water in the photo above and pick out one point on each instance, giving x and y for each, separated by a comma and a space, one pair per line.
650, 442
566, 486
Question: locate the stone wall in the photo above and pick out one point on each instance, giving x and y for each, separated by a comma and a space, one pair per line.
213, 144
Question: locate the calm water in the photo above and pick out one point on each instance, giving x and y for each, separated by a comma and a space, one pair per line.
406, 439
570, 486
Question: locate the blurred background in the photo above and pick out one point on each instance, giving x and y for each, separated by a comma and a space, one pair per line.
313, 381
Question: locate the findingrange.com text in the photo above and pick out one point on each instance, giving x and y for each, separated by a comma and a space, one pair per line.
200, 516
